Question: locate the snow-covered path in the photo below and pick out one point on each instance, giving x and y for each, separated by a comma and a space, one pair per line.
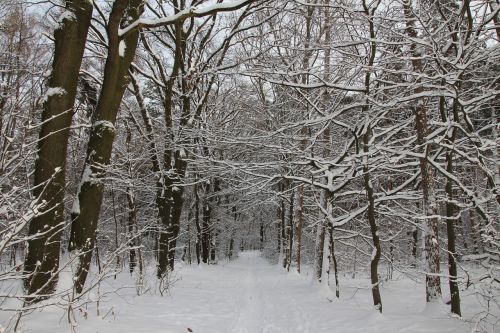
249, 295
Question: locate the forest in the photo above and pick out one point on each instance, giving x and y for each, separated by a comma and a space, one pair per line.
249, 166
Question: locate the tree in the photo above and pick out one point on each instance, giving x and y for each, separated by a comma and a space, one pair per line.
42, 260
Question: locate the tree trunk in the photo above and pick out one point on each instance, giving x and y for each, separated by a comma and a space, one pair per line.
321, 228
450, 210
199, 232
430, 227
290, 231
87, 205
367, 139
333, 260
131, 229
299, 225
377, 301
205, 232
42, 258
320, 244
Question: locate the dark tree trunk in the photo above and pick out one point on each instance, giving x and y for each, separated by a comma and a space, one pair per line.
299, 225
171, 201
376, 252
231, 241
283, 227
290, 230
278, 238
199, 232
85, 213
131, 226
430, 208
320, 244
205, 232
333, 259
367, 138
261, 236
450, 210
50, 180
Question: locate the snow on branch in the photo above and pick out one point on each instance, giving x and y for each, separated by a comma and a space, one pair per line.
184, 14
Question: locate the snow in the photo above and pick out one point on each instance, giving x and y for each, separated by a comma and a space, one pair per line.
248, 295
66, 15
104, 123
53, 91
188, 12
121, 48
87, 173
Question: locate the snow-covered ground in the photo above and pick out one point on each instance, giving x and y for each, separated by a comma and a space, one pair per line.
249, 295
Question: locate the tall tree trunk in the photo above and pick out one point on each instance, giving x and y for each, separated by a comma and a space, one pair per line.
430, 208
42, 259
320, 244
87, 205
367, 141
199, 230
299, 225
321, 228
278, 238
153, 154
333, 260
132, 229
290, 231
205, 230
450, 211
283, 225
261, 232
300, 192
132, 213
377, 300
170, 203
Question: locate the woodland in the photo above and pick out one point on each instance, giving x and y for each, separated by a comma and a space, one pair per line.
147, 142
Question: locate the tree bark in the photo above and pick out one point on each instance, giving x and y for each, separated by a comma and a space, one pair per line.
290, 231
430, 208
450, 210
42, 258
87, 205
367, 141
321, 228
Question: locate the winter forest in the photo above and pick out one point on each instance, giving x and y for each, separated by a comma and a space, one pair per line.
249, 166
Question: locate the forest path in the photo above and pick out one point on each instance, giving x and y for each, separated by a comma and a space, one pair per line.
250, 295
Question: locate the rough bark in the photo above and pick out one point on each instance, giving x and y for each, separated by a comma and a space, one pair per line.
205, 232
42, 259
367, 138
450, 211
86, 209
333, 260
430, 208
199, 232
290, 232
